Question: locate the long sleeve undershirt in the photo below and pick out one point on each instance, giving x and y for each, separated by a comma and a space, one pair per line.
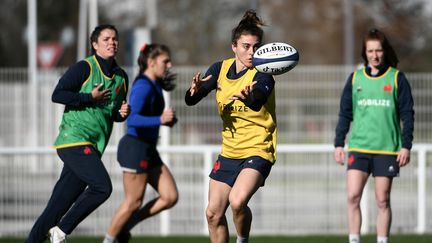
260, 92
67, 89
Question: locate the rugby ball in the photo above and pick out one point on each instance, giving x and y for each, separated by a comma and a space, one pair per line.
275, 58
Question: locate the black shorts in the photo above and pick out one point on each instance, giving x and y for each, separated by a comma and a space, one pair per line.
377, 164
137, 156
226, 170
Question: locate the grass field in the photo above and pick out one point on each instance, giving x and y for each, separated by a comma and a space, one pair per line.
256, 239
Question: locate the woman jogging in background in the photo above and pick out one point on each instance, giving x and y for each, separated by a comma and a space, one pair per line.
137, 154
246, 103
94, 93
375, 99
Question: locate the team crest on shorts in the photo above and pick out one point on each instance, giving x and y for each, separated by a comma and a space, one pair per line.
216, 166
87, 150
143, 164
351, 160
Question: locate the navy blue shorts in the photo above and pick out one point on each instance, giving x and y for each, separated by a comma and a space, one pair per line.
137, 156
377, 164
226, 170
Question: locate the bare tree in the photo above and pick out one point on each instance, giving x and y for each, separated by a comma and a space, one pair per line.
199, 31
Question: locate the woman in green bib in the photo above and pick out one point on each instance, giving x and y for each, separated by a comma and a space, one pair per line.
376, 98
94, 94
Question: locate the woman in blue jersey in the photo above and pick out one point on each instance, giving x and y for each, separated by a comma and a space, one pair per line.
246, 104
94, 94
137, 154
375, 99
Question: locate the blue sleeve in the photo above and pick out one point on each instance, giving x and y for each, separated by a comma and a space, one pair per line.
265, 83
261, 91
345, 114
140, 97
207, 87
406, 110
67, 90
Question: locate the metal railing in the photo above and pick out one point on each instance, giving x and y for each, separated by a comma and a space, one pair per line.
305, 192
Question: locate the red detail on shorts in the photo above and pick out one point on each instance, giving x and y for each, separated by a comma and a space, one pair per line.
118, 89
351, 160
87, 150
387, 88
216, 166
143, 164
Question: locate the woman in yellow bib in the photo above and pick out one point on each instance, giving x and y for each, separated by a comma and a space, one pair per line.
246, 104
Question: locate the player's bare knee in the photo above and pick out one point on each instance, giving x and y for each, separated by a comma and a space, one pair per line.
210, 215
354, 199
383, 204
213, 217
170, 201
134, 205
237, 205
138, 204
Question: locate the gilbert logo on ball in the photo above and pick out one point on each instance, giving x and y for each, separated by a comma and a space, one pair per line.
275, 58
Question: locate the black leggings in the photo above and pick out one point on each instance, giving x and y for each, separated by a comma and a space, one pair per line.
84, 183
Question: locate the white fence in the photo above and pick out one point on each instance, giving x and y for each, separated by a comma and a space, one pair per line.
307, 105
304, 194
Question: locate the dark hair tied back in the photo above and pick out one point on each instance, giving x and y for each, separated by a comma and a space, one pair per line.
152, 51
168, 83
143, 47
249, 24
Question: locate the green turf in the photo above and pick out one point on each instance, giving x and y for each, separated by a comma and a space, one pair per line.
255, 239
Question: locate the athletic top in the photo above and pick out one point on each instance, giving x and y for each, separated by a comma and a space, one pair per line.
147, 105
376, 105
85, 121
375, 127
249, 128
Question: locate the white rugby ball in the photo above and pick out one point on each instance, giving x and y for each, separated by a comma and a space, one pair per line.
275, 58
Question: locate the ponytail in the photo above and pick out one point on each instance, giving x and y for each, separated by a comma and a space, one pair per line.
249, 24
